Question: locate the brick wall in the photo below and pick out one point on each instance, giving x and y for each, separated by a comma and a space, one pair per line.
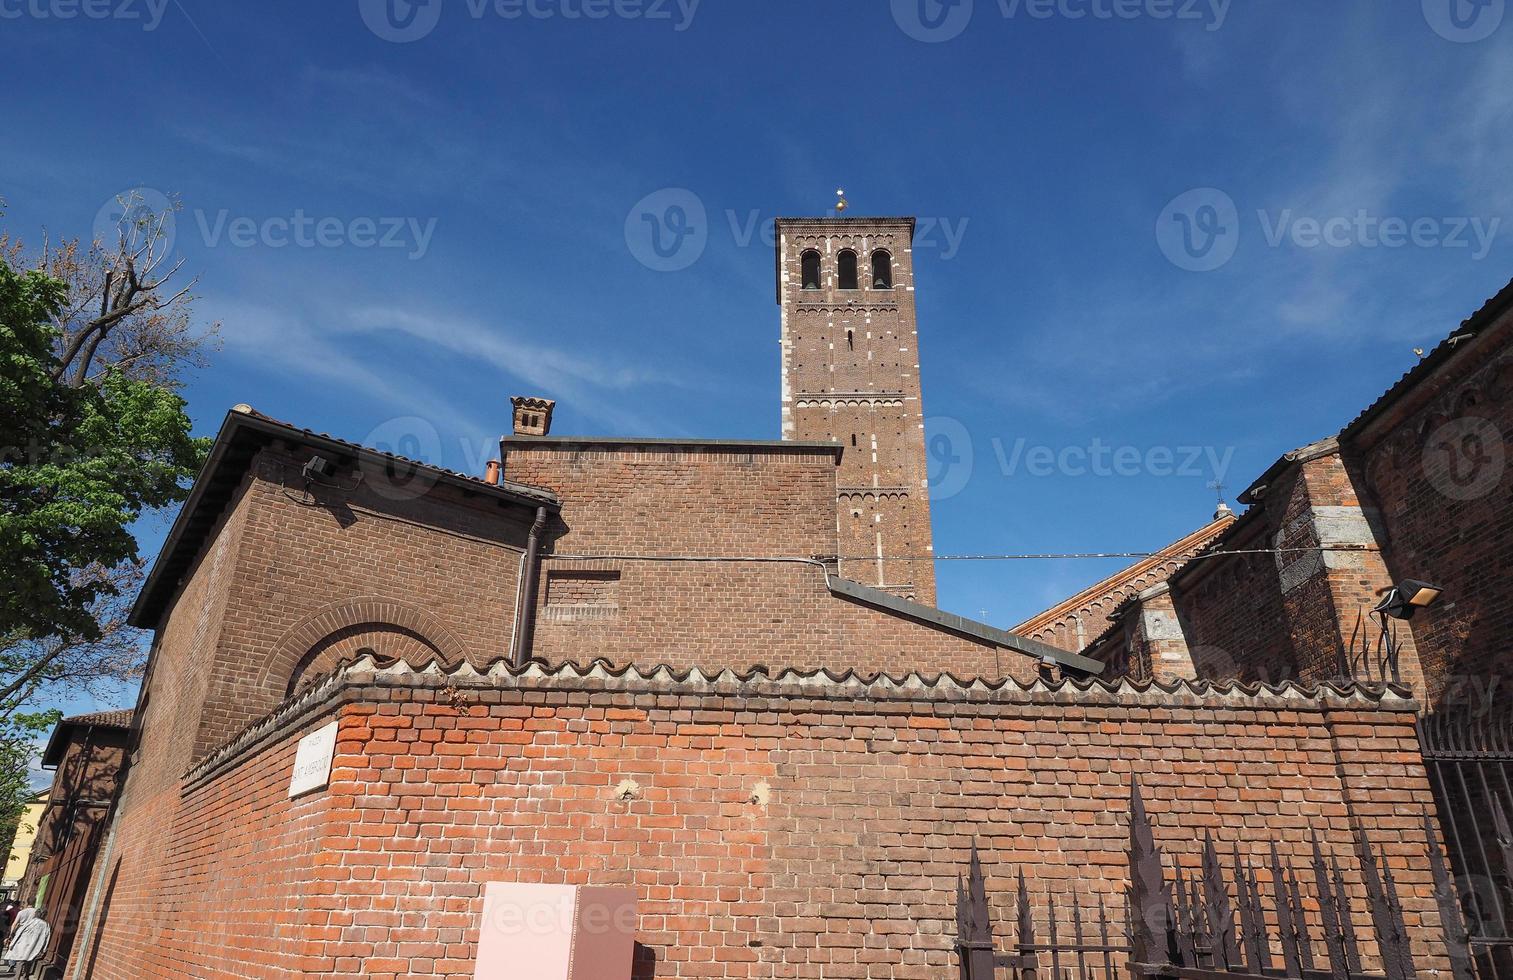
717, 502
290, 584
1439, 467
792, 827
1232, 613
70, 831
851, 375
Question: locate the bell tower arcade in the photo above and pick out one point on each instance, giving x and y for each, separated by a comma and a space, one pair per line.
850, 351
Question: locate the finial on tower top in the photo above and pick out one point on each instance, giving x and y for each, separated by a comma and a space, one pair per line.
840, 200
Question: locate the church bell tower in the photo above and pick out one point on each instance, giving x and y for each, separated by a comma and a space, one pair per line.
850, 346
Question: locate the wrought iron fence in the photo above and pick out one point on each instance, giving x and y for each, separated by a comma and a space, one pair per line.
1469, 758
1210, 922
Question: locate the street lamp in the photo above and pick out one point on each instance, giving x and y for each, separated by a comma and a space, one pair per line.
1401, 601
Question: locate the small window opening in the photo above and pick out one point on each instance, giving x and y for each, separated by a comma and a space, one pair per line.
847, 270
811, 269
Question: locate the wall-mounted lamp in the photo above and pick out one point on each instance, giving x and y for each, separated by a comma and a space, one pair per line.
318, 468
1406, 598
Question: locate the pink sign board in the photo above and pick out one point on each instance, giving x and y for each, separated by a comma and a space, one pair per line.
556, 932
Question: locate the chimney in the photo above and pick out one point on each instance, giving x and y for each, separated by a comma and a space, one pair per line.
491, 473
533, 416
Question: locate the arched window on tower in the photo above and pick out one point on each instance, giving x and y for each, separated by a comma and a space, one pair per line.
882, 269
846, 269
811, 266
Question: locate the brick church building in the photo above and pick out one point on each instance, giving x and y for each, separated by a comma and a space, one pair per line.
708, 672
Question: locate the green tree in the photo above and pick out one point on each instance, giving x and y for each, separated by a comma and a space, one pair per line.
93, 434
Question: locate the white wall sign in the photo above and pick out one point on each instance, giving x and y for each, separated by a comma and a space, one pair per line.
312, 762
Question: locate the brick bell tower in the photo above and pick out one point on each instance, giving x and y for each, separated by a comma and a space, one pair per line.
851, 375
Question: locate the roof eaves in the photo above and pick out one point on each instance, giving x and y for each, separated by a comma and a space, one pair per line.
1472, 325
960, 625
53, 753
242, 433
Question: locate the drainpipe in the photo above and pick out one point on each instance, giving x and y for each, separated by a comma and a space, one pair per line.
530, 574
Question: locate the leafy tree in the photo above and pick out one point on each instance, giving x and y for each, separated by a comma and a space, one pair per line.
93, 434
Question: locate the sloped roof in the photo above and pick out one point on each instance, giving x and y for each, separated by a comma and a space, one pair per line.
1173, 553
242, 434
1482, 318
53, 754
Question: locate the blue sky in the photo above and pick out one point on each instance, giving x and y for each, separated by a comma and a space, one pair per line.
1339, 170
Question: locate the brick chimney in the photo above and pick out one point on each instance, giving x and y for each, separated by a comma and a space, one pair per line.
533, 416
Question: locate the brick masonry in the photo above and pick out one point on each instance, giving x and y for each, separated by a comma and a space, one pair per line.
785, 826
1421, 487
851, 375
289, 584
759, 507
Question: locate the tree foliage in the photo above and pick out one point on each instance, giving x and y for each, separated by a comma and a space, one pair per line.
93, 434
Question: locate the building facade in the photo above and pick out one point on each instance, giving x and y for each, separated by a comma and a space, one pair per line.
87, 754
377, 686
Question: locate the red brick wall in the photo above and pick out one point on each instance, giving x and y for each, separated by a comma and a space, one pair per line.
288, 585
1440, 468
1232, 612
729, 503
861, 343
804, 831
131, 881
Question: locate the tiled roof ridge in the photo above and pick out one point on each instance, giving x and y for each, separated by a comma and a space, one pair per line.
1178, 551
761, 680
112, 718
1483, 317
525, 489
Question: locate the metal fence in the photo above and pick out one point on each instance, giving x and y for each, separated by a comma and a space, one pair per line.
1209, 922
1469, 758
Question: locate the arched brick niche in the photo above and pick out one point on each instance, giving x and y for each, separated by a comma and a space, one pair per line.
387, 627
